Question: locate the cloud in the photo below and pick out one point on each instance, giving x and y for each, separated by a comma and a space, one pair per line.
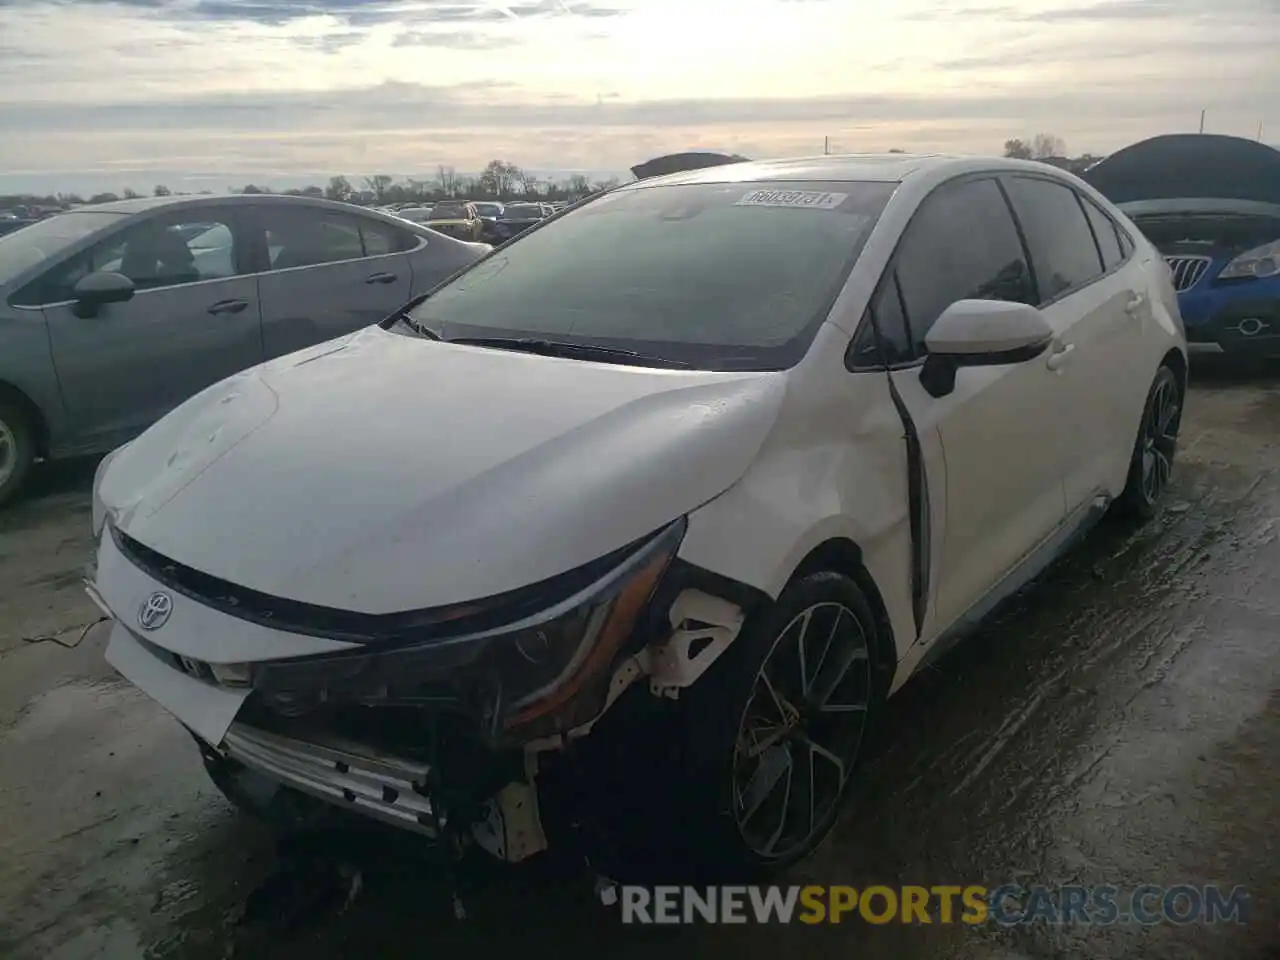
453, 39
265, 87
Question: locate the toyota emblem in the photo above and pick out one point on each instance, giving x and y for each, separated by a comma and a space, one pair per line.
155, 610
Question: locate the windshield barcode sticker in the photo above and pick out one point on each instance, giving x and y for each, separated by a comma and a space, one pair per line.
814, 199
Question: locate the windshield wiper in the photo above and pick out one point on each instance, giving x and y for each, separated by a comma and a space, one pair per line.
573, 351
416, 327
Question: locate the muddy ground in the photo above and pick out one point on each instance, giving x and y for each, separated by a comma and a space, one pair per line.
1119, 725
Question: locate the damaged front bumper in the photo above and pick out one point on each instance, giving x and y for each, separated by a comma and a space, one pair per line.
435, 735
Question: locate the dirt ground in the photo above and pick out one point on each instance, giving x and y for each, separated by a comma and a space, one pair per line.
1118, 725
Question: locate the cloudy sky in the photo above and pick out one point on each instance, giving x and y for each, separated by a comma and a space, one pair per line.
284, 91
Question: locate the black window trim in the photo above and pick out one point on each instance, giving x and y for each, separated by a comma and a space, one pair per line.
867, 324
1123, 240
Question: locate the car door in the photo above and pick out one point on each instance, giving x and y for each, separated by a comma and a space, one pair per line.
991, 447
193, 320
1090, 307
328, 272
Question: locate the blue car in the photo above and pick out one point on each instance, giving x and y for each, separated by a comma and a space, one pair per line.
1211, 205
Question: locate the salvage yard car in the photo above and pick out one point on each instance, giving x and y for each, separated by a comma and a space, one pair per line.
112, 316
456, 218
1211, 205
707, 466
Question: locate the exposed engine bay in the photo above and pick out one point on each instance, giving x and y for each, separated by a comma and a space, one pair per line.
1182, 233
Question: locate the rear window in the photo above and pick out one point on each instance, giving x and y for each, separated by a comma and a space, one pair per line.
718, 275
519, 211
448, 210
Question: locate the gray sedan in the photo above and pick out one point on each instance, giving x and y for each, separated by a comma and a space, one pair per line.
111, 316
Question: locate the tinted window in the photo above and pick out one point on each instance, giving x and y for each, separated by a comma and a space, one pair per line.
306, 237
163, 251
962, 244
449, 211
1062, 248
885, 317
720, 275
1105, 232
382, 238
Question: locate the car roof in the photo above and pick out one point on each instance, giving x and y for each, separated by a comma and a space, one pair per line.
847, 168
147, 204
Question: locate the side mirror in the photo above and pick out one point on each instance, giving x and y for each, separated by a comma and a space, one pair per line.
981, 333
99, 289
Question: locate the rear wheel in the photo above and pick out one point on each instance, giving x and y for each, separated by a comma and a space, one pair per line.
1151, 465
774, 730
17, 449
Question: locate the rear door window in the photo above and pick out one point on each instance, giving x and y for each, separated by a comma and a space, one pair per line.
1063, 251
1104, 230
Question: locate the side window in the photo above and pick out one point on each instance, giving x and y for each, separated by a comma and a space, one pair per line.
1126, 241
308, 237
1062, 247
894, 344
381, 238
163, 251
1105, 232
962, 244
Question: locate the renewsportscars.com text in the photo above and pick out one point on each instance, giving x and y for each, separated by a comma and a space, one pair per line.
972, 904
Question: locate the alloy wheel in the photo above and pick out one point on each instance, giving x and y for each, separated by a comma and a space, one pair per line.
801, 729
1159, 440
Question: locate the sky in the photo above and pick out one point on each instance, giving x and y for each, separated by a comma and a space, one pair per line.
205, 94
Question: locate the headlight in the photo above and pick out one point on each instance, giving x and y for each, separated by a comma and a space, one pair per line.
1261, 261
542, 675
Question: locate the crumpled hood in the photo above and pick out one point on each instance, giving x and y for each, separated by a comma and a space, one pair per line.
381, 472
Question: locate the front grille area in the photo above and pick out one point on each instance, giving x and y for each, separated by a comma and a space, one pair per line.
1187, 271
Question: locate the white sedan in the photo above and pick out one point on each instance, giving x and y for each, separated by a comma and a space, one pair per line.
735, 450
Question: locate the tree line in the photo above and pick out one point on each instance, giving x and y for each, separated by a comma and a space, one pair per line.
500, 180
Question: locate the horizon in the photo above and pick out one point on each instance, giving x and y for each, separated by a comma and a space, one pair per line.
216, 94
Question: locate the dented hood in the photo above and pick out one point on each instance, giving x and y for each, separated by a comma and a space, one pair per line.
382, 473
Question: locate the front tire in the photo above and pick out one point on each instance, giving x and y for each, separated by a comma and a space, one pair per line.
1151, 464
773, 731
17, 449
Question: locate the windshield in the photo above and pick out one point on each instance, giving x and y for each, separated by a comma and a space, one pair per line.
716, 275
38, 241
523, 211
449, 211
489, 209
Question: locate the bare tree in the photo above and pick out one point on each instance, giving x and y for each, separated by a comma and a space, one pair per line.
1045, 145
339, 189
378, 185
130, 194
1017, 149
448, 178
579, 185
162, 191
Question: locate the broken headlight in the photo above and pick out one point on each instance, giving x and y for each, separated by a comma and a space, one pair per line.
552, 674
539, 675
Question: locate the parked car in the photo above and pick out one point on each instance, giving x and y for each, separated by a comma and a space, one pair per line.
680, 485
489, 214
519, 217
1211, 205
456, 218
112, 316
13, 224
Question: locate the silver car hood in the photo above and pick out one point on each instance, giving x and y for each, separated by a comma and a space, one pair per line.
381, 473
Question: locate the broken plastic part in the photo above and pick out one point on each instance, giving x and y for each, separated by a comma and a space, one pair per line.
703, 627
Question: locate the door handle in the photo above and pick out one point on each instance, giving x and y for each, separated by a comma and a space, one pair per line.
1136, 303
228, 306
1060, 355
380, 278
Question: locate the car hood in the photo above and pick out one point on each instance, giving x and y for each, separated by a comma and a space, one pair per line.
381, 473
1197, 166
